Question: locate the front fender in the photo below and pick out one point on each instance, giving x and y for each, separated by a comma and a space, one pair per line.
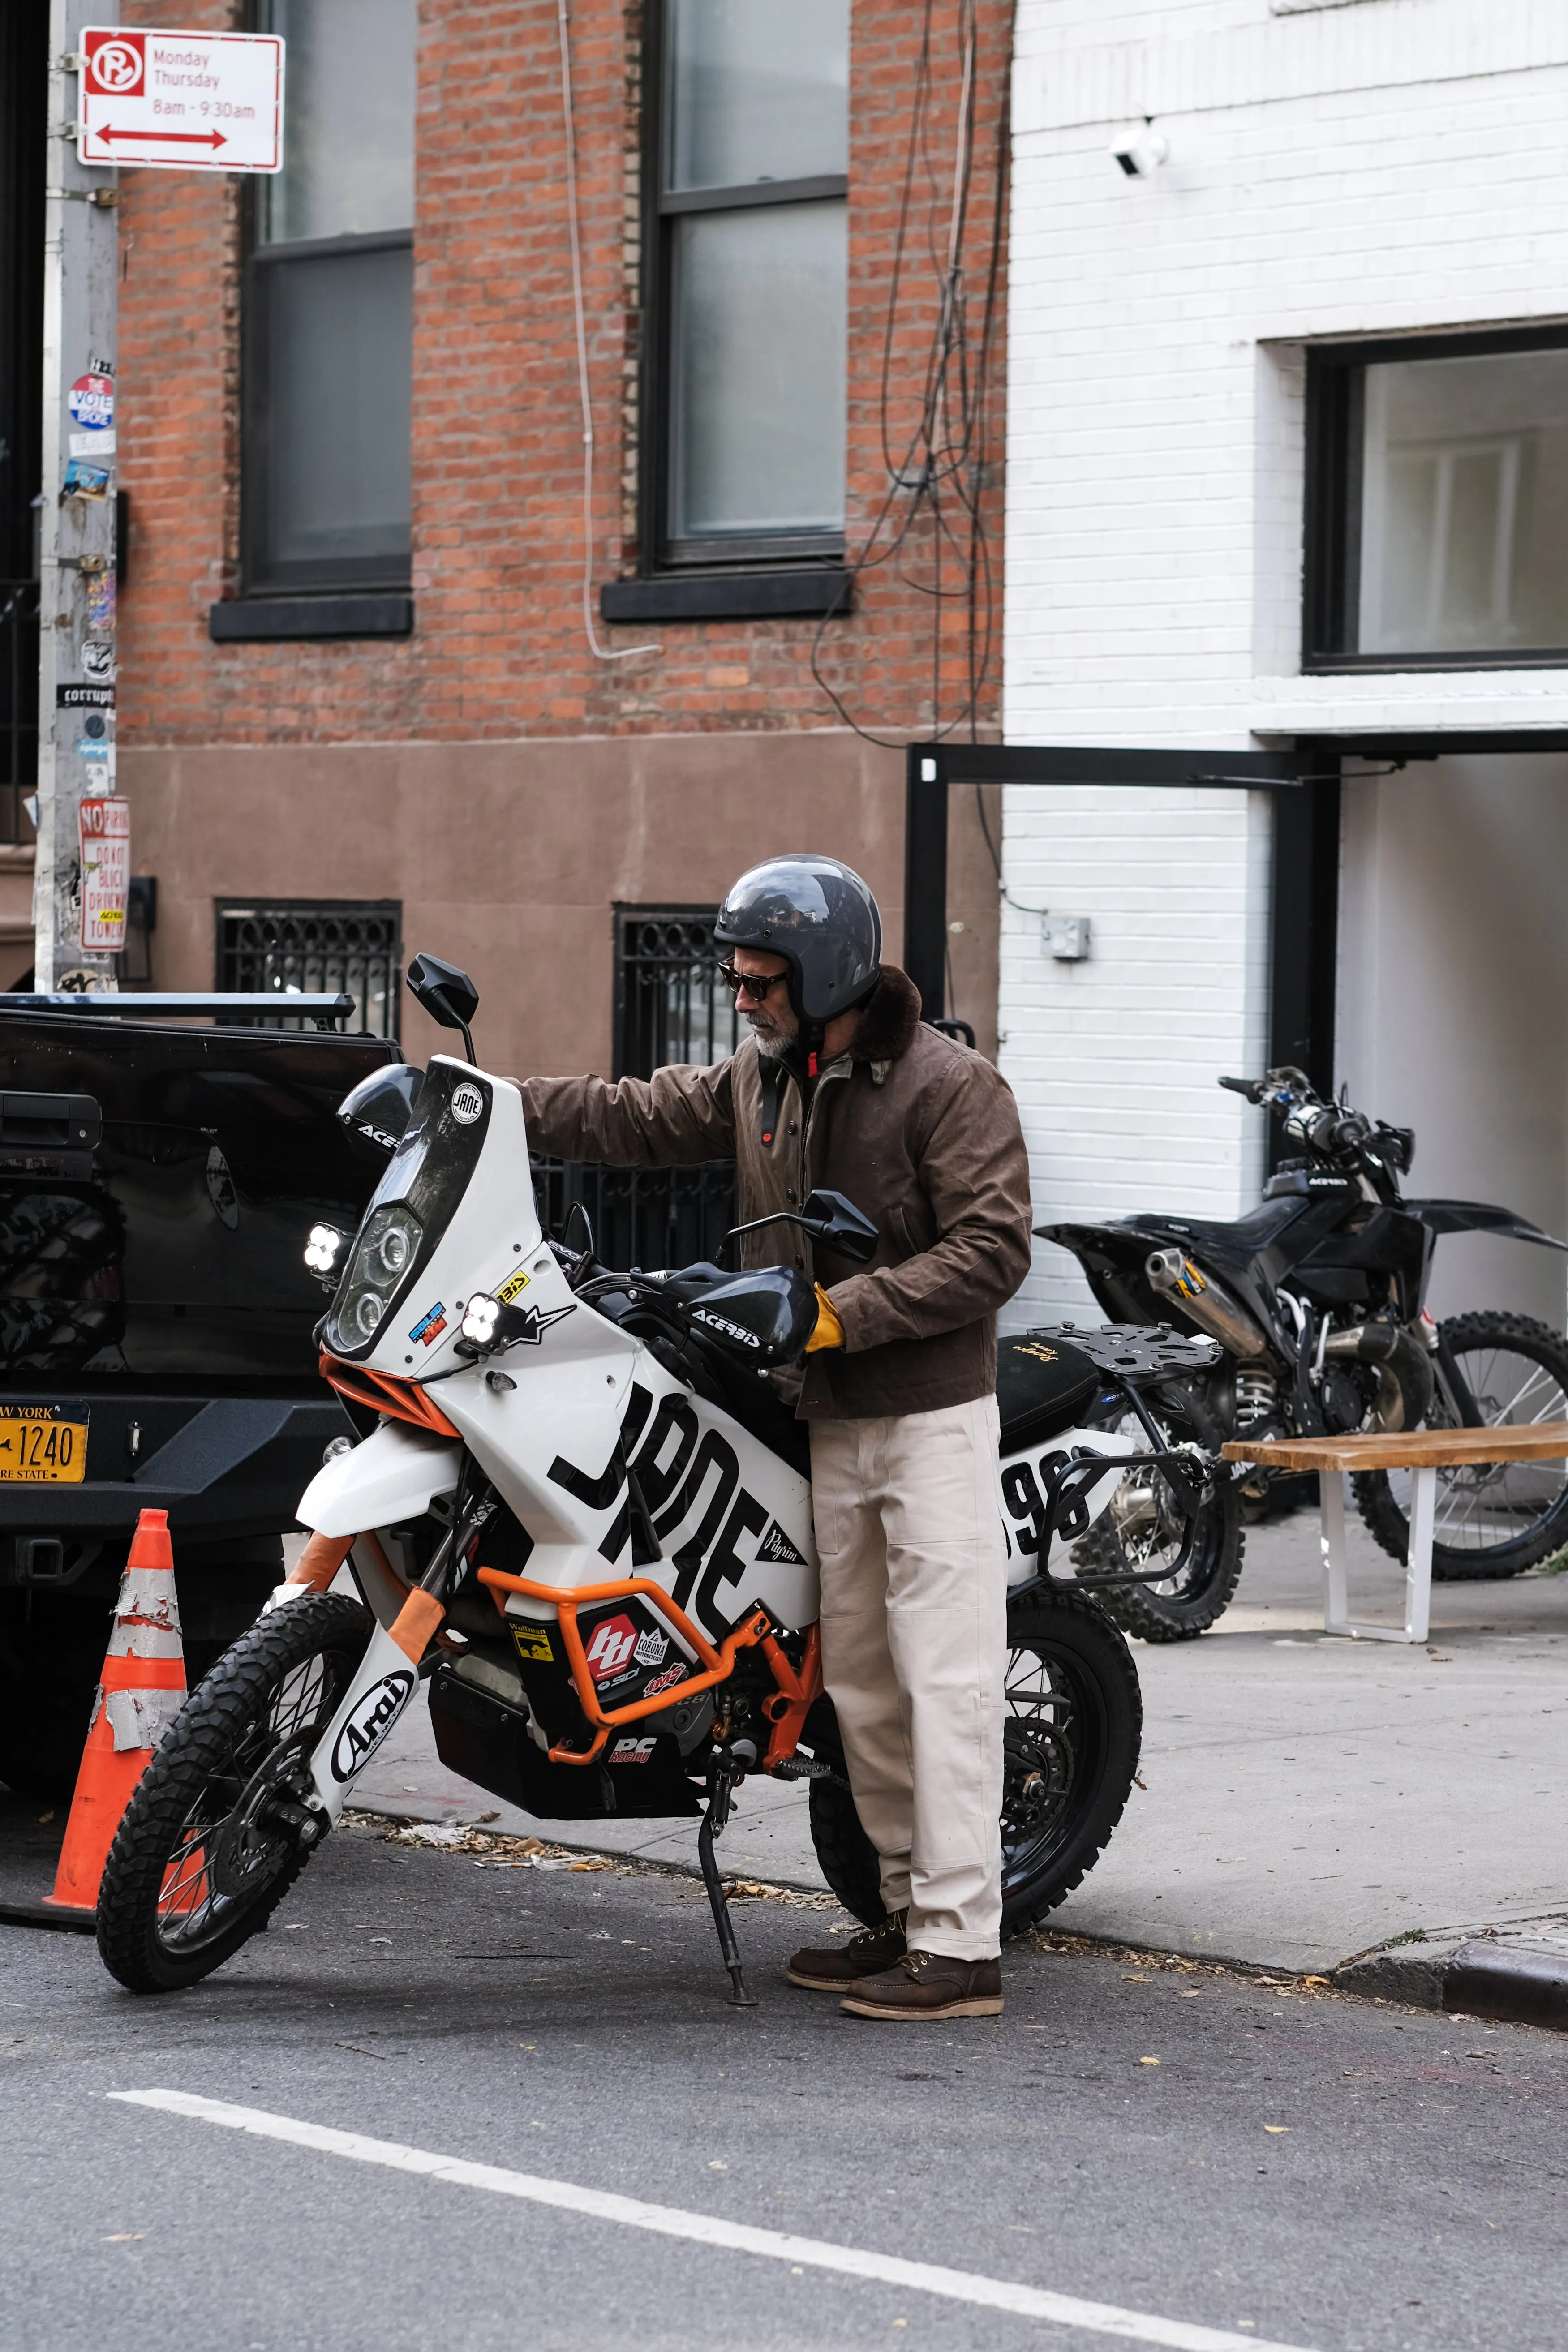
388, 1477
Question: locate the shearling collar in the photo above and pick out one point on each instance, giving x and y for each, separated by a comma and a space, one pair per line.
889, 1023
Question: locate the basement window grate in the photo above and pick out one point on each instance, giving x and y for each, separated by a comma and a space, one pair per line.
297, 947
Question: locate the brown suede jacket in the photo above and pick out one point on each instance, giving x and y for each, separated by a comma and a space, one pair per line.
921, 1133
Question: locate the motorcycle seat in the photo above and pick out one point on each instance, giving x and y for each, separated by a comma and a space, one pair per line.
1043, 1383
1253, 1232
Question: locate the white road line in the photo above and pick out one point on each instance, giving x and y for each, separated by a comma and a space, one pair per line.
705, 2229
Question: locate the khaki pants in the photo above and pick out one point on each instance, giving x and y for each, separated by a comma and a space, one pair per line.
914, 1574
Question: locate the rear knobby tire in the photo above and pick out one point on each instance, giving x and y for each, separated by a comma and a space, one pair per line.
162, 1920
1075, 1719
1489, 1523
1180, 1606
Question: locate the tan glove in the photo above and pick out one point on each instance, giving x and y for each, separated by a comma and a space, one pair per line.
829, 1332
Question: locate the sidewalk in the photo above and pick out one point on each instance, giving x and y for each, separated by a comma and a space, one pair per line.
1307, 1800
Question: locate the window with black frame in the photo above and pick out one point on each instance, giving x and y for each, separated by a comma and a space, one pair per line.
747, 258
1438, 503
328, 307
296, 947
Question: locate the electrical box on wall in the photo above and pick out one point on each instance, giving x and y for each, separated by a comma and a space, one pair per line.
1064, 936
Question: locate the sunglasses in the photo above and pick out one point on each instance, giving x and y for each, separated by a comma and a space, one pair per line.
757, 987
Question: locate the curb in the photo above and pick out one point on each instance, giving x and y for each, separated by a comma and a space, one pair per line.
1486, 1977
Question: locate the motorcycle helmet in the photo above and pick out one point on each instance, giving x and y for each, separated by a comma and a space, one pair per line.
821, 917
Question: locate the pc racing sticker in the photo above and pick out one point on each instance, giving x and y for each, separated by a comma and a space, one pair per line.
431, 1325
374, 1713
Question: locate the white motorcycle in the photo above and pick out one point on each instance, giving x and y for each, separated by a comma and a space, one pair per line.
581, 1515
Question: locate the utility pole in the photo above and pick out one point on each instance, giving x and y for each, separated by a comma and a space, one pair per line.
77, 600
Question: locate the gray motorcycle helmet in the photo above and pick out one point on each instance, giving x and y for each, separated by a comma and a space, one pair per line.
821, 917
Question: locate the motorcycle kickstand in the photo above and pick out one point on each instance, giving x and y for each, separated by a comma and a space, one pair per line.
713, 1820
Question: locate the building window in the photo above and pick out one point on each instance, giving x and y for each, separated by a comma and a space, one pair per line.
1438, 504
295, 947
328, 307
747, 260
671, 1003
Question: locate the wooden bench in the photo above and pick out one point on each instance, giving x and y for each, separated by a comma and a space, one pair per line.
1424, 1451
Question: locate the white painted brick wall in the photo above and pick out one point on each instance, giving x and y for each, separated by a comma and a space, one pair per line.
1371, 168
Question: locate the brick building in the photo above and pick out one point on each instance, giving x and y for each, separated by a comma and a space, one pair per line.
1288, 415
365, 705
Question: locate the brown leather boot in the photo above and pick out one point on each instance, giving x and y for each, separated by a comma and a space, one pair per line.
836, 1969
929, 1985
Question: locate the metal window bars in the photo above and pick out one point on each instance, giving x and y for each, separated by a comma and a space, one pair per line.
293, 947
671, 1003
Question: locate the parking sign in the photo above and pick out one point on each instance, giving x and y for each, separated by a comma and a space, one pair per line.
181, 101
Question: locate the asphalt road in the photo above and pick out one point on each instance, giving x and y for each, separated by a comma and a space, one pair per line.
572, 2027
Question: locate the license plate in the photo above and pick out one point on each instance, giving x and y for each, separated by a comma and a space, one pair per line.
38, 1448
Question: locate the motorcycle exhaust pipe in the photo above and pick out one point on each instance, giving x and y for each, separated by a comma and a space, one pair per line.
1172, 1273
1405, 1380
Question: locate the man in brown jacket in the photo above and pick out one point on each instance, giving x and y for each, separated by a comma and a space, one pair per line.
841, 1085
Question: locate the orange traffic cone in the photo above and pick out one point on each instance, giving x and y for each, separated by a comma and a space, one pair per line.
141, 1692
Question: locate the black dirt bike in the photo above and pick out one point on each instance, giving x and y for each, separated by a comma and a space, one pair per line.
1317, 1296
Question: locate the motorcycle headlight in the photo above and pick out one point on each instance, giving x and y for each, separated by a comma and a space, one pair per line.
383, 1258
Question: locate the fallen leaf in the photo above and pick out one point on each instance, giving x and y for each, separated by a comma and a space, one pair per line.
380, 1940
1315, 1980
1148, 2062
717, 2163
489, 1817
1276, 2127
125, 2238
43, 1817
1134, 1980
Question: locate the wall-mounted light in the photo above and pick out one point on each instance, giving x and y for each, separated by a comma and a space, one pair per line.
1142, 155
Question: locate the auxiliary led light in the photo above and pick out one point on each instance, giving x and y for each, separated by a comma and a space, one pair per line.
322, 1249
481, 1319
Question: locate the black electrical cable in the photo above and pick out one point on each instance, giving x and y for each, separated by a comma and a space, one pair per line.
941, 475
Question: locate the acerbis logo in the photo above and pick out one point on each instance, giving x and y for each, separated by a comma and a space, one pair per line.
374, 1714
731, 1330
468, 1104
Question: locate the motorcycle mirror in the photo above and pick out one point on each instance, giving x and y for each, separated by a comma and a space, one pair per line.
447, 992
829, 1218
380, 1107
834, 1221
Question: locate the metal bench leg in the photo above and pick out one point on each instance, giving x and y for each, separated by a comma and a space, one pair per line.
1418, 1558
1332, 1540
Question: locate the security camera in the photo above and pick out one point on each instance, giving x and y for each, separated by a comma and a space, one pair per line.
1142, 155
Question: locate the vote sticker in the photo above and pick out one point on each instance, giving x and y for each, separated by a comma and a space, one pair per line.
92, 402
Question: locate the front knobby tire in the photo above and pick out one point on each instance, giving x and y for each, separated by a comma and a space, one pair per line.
1075, 1719
201, 1860
1491, 1520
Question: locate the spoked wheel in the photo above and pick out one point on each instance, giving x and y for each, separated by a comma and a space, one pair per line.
1144, 1525
1074, 1719
210, 1841
1495, 1518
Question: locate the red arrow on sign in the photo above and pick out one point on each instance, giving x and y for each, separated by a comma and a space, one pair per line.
192, 138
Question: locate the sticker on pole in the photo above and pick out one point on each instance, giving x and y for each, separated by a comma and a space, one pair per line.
181, 101
105, 838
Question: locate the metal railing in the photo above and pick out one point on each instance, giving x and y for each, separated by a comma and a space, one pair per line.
18, 704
